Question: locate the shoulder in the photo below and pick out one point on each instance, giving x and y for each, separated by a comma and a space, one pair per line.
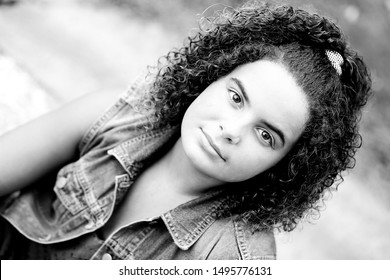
254, 245
232, 238
120, 119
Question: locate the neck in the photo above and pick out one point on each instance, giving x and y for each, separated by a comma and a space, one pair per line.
181, 175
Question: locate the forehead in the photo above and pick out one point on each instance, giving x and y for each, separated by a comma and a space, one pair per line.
265, 74
274, 94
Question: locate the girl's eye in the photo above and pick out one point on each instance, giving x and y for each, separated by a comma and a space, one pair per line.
266, 137
235, 98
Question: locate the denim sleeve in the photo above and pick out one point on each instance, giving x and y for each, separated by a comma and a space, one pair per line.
119, 118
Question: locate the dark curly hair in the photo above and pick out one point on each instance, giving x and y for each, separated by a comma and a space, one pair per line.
281, 196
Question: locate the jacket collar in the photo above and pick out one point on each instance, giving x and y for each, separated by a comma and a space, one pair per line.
187, 222
134, 153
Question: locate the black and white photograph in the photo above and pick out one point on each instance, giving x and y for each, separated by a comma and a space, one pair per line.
195, 130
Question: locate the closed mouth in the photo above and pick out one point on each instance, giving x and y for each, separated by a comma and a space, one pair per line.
212, 144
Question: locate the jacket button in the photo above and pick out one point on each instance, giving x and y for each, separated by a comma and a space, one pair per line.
45, 238
106, 257
61, 182
89, 226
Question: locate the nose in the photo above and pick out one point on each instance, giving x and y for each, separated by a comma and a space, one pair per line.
230, 134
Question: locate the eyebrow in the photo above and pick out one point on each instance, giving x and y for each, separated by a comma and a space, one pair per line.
270, 126
242, 89
277, 131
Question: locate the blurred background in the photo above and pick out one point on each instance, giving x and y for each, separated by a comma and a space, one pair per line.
54, 51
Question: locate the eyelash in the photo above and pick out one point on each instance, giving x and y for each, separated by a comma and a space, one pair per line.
233, 93
271, 140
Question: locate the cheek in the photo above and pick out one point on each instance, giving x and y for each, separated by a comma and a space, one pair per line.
252, 162
190, 118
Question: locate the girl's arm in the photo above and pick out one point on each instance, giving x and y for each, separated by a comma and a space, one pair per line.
48, 142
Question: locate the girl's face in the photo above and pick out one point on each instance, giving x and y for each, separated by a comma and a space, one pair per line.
244, 123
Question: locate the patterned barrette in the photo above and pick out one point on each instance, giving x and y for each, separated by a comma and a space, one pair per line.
336, 59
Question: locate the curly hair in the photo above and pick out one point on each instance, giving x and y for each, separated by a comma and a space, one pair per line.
291, 190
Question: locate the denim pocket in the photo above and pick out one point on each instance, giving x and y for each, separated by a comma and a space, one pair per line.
69, 191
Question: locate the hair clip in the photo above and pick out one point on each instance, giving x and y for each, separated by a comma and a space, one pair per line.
336, 59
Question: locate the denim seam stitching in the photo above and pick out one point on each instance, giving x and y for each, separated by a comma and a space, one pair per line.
243, 247
92, 132
91, 200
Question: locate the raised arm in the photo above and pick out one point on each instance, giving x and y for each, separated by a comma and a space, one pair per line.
48, 142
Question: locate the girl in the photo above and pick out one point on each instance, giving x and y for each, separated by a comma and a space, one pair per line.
237, 133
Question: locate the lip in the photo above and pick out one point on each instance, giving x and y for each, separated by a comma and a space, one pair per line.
213, 145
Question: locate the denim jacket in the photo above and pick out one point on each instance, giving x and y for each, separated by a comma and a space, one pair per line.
112, 154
